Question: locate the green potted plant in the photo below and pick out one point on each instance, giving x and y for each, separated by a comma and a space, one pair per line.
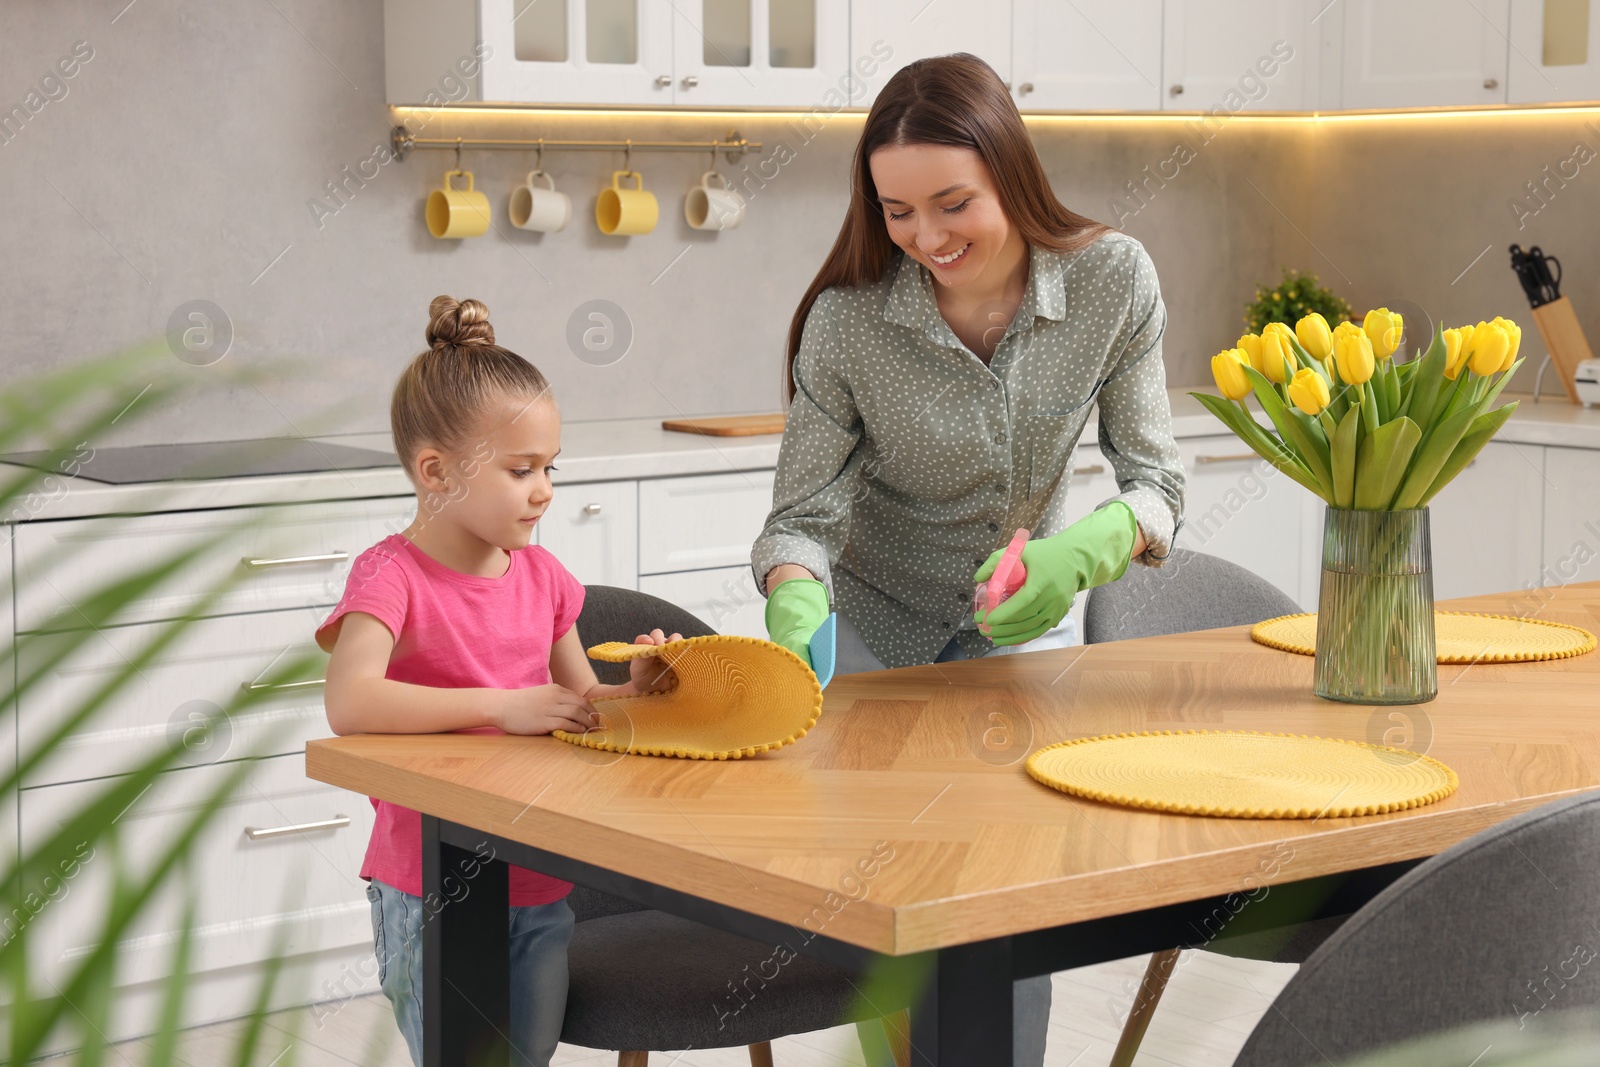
1291, 300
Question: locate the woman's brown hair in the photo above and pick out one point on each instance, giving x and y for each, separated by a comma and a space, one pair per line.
945, 100
443, 394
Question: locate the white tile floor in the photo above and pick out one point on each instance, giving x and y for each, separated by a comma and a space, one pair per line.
1209, 1009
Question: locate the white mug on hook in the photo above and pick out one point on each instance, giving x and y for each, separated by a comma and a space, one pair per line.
539, 207
709, 208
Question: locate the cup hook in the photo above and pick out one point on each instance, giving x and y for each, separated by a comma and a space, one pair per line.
538, 160
458, 153
627, 155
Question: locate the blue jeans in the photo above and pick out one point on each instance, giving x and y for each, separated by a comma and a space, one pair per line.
1030, 997
539, 936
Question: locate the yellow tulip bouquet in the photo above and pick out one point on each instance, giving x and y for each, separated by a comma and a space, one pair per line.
1356, 428
1376, 440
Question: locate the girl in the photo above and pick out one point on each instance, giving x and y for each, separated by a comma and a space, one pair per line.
941, 367
459, 624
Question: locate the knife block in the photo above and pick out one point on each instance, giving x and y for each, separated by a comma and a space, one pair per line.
1563, 337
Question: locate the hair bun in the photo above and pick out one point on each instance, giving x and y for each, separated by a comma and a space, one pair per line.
458, 322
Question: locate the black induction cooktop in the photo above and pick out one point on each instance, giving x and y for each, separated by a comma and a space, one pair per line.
207, 459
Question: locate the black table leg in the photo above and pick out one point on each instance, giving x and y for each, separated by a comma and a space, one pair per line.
466, 968
963, 1018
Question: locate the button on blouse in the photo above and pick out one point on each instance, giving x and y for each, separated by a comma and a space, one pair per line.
906, 457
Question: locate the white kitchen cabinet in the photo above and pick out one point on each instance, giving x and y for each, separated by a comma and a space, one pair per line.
724, 598
253, 876
592, 528
528, 52
168, 702
1246, 55
899, 31
701, 521
1237, 506
1479, 548
1571, 516
1423, 53
254, 559
1555, 51
760, 52
1092, 55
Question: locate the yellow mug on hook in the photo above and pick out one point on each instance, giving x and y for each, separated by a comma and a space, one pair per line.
456, 212
626, 212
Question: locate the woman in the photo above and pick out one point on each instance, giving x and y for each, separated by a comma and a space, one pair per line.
942, 365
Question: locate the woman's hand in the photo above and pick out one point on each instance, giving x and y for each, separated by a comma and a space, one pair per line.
795, 609
1092, 551
653, 674
543, 708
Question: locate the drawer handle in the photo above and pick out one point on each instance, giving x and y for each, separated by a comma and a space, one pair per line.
335, 556
1093, 468
256, 687
591, 509
278, 831
1237, 457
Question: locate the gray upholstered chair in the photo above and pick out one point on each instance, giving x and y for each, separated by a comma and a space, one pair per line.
642, 980
1192, 591
1501, 926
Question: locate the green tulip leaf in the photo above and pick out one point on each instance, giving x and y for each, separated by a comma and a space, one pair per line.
1483, 428
1426, 381
1345, 441
1260, 441
1381, 463
1431, 457
1298, 431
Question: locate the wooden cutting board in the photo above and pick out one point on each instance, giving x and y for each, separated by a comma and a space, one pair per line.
728, 425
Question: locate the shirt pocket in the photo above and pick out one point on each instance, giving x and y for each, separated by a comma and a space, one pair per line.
1050, 437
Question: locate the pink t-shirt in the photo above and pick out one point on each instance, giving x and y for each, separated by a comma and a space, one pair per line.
456, 631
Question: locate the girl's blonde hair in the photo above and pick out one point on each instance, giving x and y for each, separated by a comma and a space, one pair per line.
443, 394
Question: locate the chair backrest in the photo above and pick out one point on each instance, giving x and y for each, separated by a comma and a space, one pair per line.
1501, 925
1191, 591
614, 614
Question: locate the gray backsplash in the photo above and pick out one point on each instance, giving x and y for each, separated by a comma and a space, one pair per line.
184, 160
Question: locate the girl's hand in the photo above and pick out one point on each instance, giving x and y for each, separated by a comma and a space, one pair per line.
652, 674
544, 708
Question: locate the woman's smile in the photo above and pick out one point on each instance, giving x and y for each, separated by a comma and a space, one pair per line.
952, 258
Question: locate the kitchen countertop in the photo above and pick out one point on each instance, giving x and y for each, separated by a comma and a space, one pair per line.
631, 448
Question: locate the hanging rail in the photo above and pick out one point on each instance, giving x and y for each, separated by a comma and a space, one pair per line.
403, 141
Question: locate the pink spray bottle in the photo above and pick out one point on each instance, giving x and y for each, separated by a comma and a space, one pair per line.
1009, 576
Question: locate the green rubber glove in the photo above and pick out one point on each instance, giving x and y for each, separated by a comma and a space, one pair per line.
1092, 551
795, 609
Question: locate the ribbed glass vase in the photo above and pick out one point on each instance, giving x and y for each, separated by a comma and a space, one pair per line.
1375, 628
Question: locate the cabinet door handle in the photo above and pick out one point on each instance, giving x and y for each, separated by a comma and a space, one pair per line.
1176, 90
591, 509
1237, 457
663, 81
690, 81
1025, 88
256, 687
1491, 83
1093, 468
300, 827
336, 556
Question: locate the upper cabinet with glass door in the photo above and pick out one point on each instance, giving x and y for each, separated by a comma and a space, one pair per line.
761, 53
725, 53
1555, 52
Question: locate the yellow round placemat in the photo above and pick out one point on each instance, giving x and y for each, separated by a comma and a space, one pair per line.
1460, 636
1242, 774
735, 697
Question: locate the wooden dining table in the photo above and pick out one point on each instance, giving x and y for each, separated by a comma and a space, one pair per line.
903, 828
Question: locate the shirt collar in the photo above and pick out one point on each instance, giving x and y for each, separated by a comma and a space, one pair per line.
911, 301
